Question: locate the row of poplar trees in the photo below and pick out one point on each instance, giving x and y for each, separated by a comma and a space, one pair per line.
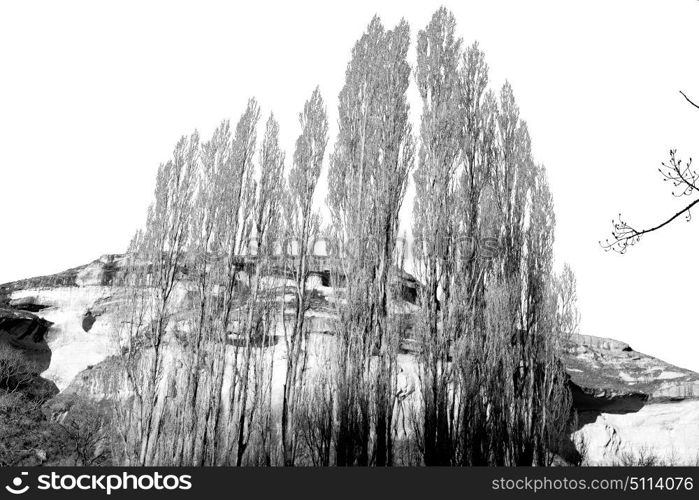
203, 311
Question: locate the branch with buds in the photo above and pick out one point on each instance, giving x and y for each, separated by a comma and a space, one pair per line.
684, 179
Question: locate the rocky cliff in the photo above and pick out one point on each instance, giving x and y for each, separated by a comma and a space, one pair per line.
632, 407
628, 404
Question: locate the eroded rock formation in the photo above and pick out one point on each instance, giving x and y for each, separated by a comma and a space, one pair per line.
632, 406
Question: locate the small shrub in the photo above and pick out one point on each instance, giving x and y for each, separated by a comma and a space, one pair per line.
15, 372
644, 457
85, 428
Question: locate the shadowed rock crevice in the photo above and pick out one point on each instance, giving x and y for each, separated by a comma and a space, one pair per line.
602, 401
88, 321
27, 304
26, 332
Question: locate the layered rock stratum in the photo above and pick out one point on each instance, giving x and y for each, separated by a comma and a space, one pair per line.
632, 406
629, 405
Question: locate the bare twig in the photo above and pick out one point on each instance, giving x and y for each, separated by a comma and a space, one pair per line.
689, 100
625, 236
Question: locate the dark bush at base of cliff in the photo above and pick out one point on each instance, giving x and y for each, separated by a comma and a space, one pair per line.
38, 430
29, 437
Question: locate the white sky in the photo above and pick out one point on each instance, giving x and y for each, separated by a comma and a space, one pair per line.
94, 95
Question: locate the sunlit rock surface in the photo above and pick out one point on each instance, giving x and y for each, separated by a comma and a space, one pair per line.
632, 407
63, 300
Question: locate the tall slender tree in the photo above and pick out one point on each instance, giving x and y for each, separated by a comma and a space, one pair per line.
434, 219
157, 258
302, 226
367, 181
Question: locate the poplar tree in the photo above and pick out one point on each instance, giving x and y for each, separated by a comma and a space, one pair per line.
367, 181
435, 221
302, 225
157, 259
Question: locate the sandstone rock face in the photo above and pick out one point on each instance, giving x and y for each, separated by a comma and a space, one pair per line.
60, 303
22, 326
666, 433
27, 333
611, 370
104, 381
628, 404
632, 406
73, 349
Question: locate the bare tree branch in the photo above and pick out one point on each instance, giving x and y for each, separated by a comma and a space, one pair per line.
625, 236
682, 176
689, 100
